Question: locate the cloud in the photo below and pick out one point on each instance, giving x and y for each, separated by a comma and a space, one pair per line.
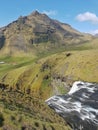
50, 12
87, 16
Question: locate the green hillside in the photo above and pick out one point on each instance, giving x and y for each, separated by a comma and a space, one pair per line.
40, 73
24, 80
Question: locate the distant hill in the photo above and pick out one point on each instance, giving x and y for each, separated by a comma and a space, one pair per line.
96, 35
36, 33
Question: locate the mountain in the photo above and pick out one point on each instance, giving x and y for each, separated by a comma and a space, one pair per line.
96, 35
37, 33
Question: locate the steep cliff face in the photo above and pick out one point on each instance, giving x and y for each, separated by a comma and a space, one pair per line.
38, 32
2, 38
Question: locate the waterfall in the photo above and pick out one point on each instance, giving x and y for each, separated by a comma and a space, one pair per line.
79, 107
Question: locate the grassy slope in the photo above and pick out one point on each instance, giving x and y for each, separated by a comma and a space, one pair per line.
80, 65
39, 77
19, 111
37, 73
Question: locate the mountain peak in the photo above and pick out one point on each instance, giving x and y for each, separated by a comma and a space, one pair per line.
35, 13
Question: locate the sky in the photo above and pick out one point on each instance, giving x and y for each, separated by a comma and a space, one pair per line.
80, 14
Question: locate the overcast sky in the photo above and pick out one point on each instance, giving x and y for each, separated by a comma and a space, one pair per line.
80, 14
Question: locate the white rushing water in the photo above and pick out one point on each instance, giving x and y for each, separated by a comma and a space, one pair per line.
79, 107
80, 85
